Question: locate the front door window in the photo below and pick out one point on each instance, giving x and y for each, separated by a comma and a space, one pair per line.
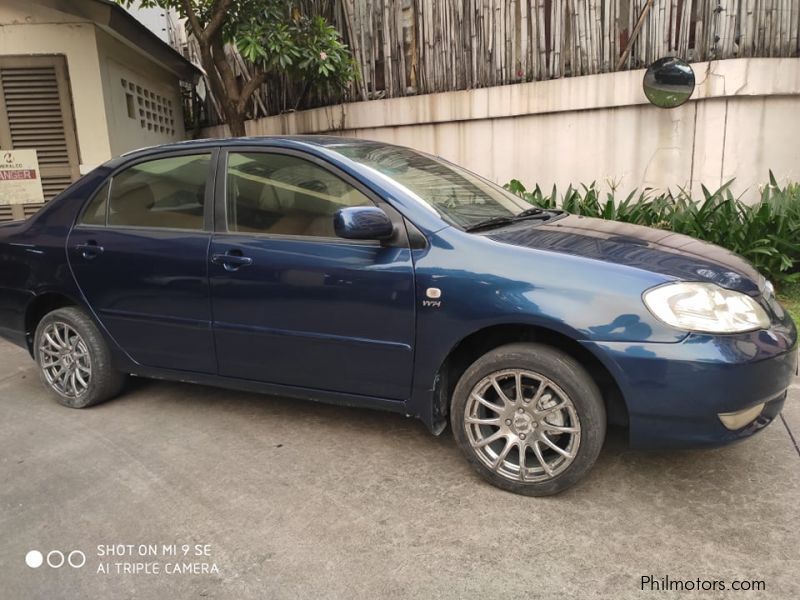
286, 195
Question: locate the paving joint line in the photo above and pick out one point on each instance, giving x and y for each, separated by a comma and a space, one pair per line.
11, 376
791, 435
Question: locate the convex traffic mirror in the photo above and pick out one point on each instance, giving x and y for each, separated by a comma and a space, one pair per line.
668, 82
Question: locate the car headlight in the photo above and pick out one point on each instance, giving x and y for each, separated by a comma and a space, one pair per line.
705, 307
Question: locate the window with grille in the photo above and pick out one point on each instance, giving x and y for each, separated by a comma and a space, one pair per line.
152, 110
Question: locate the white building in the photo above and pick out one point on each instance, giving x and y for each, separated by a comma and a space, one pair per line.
81, 82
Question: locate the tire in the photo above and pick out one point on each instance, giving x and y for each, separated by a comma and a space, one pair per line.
560, 401
68, 342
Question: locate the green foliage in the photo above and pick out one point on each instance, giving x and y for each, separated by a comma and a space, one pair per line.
280, 38
790, 298
766, 233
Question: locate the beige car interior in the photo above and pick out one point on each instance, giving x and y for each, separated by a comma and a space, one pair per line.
296, 199
172, 198
267, 193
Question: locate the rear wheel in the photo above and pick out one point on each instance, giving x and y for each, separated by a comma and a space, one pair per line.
74, 359
529, 419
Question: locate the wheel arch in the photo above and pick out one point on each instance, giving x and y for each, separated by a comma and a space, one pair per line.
476, 344
39, 306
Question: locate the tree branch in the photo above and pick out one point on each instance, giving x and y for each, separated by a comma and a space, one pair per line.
224, 68
217, 87
197, 29
249, 89
219, 12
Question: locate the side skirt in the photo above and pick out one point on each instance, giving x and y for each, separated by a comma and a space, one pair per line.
272, 389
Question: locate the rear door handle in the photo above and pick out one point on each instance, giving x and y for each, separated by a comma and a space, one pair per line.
89, 250
231, 262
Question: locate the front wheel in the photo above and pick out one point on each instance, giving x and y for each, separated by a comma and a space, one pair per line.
529, 419
74, 360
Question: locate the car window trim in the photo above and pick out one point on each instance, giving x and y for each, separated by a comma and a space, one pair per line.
208, 206
221, 204
288, 237
141, 228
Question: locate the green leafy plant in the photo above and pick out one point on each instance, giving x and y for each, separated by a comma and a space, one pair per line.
766, 233
280, 39
790, 298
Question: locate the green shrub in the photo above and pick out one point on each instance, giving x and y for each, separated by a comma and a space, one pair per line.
766, 233
790, 298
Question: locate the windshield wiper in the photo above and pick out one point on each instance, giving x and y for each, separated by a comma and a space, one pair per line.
529, 213
489, 223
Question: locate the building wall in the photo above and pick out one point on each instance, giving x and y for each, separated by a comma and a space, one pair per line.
741, 122
97, 62
27, 28
146, 83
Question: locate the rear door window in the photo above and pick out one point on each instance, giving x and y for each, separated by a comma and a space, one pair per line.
95, 213
164, 193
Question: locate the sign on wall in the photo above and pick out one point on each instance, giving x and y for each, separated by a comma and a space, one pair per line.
20, 178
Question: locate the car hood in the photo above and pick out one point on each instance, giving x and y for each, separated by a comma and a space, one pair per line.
654, 250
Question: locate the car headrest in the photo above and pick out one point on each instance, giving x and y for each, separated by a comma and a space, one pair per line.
134, 200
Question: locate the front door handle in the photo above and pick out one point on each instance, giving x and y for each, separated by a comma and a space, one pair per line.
90, 250
231, 261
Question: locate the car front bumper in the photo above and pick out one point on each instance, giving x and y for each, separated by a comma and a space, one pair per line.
675, 393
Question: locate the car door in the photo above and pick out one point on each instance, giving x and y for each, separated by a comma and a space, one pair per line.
295, 305
139, 253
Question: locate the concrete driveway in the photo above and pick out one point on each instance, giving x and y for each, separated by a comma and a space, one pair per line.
288, 499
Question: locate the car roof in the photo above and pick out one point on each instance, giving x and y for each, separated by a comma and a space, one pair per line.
322, 141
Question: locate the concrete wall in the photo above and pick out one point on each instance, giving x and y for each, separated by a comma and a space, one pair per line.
27, 28
743, 119
120, 63
96, 62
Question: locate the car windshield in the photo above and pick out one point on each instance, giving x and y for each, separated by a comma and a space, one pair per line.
457, 195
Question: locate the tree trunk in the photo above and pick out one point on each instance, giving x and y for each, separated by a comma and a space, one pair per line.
221, 77
235, 122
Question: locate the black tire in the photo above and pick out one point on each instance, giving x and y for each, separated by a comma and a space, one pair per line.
570, 378
104, 382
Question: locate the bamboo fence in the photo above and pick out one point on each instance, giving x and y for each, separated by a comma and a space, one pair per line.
407, 47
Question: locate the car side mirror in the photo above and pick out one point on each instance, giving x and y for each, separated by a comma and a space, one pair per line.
363, 223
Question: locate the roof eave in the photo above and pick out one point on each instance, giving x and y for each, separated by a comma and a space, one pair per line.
117, 22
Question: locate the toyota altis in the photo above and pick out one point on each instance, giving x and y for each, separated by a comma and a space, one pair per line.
372, 275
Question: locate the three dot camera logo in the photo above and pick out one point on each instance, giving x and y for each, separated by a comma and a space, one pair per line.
55, 559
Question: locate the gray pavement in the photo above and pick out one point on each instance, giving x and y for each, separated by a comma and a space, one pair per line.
302, 500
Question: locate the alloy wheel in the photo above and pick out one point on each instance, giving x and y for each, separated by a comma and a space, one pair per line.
522, 425
64, 359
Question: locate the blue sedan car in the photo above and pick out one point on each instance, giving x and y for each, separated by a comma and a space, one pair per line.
373, 275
